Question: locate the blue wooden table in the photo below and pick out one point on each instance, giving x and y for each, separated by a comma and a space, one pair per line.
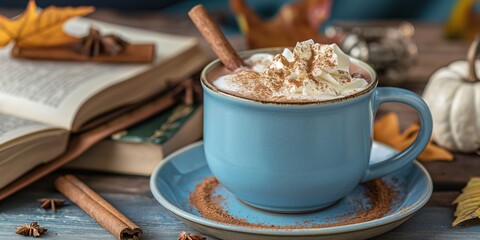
131, 195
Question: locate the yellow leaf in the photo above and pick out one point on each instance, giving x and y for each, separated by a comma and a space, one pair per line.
464, 218
40, 29
387, 131
4, 35
10, 29
468, 202
463, 196
464, 211
463, 20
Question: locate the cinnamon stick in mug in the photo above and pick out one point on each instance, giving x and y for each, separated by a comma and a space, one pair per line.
99, 209
215, 38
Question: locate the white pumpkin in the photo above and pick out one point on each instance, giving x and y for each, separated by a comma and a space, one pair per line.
453, 95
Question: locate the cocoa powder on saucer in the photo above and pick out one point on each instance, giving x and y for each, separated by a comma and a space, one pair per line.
380, 197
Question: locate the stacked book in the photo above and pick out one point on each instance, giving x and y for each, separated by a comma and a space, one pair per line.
53, 110
138, 149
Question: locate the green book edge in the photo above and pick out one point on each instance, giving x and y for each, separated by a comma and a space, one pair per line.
159, 128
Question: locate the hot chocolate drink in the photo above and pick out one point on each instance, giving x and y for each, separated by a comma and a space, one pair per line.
309, 129
312, 72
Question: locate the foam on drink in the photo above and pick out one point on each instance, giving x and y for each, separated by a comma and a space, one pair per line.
312, 72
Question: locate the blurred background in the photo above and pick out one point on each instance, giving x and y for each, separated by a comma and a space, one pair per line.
381, 33
414, 10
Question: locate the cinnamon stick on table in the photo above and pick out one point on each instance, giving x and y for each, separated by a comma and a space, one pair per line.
99, 209
215, 38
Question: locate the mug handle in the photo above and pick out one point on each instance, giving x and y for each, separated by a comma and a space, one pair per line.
403, 158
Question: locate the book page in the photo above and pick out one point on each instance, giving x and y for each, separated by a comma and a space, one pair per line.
12, 128
52, 91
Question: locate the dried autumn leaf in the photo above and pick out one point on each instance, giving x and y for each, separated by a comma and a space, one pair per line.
40, 29
463, 20
387, 130
293, 23
468, 202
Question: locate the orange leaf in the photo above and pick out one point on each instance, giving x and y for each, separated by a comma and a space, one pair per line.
40, 29
295, 22
433, 152
387, 130
10, 29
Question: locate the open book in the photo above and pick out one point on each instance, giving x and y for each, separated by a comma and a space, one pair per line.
41, 102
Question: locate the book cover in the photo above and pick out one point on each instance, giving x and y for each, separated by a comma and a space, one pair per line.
159, 128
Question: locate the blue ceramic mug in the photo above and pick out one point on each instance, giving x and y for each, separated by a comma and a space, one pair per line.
297, 157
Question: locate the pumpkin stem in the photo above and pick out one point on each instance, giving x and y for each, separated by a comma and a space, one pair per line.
473, 51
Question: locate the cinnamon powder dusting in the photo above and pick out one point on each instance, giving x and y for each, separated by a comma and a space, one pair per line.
380, 197
312, 72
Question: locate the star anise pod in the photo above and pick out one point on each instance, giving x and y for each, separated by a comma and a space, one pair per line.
32, 229
95, 44
51, 203
190, 236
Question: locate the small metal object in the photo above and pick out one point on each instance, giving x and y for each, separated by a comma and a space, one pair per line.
389, 49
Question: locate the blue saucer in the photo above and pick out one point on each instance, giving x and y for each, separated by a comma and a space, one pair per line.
178, 175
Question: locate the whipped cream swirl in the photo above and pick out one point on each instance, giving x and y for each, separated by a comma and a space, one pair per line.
312, 72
